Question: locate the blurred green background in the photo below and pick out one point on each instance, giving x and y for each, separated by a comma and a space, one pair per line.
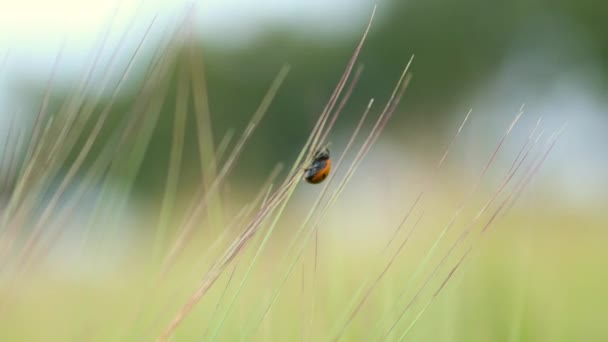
549, 55
538, 276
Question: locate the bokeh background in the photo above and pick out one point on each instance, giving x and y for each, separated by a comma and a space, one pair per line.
539, 276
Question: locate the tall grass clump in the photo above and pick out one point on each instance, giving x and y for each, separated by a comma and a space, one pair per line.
204, 274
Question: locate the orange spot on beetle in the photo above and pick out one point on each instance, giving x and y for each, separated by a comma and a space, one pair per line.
319, 168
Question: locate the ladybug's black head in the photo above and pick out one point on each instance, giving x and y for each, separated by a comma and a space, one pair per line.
322, 154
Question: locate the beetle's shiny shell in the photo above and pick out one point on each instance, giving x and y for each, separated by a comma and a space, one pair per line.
318, 171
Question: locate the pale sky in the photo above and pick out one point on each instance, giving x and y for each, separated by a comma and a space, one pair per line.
41, 24
32, 32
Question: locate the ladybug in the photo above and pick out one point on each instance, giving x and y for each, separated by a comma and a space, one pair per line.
319, 168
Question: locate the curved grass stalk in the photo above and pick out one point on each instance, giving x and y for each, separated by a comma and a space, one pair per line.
422, 265
335, 116
231, 253
443, 283
281, 194
5, 151
217, 268
429, 186
300, 231
33, 148
74, 168
9, 232
158, 68
175, 160
377, 280
386, 114
380, 124
47, 157
254, 261
491, 220
515, 167
201, 204
524, 182
93, 175
206, 145
262, 199
430, 182
326, 186
237, 221
317, 139
293, 175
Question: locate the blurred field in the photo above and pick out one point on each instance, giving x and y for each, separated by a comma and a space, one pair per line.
155, 192
535, 278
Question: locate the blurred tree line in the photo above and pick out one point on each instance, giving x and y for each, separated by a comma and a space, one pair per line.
458, 47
